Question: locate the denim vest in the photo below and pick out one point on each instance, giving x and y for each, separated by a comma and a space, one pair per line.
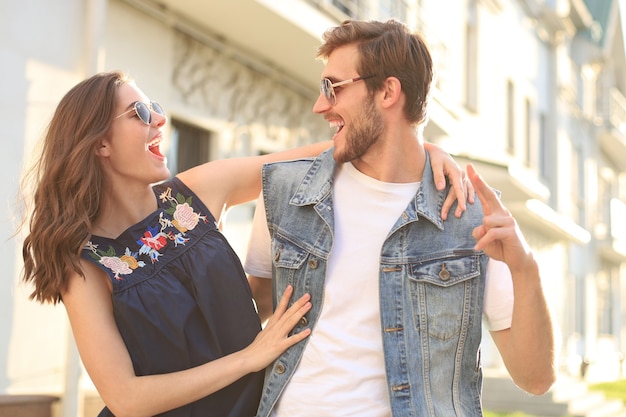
431, 288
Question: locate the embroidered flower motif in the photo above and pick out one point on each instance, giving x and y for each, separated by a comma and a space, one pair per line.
130, 261
185, 218
122, 265
116, 265
155, 238
179, 239
166, 195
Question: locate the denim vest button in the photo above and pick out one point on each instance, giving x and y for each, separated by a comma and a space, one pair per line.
280, 368
444, 274
277, 254
303, 321
313, 264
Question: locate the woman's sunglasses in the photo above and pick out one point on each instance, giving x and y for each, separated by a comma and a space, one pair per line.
143, 111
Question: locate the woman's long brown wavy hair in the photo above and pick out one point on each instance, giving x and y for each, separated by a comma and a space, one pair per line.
67, 182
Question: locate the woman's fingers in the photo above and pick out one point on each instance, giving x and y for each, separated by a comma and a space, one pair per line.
462, 192
284, 319
274, 339
284, 300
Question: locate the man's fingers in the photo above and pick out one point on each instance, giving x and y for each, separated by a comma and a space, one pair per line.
478, 232
487, 196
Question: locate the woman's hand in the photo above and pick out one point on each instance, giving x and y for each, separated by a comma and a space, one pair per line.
462, 190
274, 339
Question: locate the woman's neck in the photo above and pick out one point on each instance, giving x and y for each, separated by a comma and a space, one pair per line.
122, 208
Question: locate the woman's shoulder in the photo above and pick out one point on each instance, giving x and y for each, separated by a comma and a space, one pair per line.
174, 193
173, 184
84, 283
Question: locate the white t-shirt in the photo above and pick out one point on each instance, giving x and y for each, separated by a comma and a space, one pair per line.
342, 367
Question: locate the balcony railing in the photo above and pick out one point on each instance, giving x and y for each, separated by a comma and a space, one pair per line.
617, 110
340, 9
611, 121
618, 220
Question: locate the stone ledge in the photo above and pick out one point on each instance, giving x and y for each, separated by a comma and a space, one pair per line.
26, 405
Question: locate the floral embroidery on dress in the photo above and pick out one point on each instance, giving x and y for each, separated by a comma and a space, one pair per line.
120, 265
155, 238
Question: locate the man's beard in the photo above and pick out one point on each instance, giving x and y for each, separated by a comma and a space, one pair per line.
364, 132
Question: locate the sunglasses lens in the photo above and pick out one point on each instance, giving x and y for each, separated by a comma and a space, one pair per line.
143, 112
156, 107
327, 89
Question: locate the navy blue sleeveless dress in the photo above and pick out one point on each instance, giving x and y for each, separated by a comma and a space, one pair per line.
181, 298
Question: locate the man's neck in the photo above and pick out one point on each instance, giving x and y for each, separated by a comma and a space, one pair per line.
401, 161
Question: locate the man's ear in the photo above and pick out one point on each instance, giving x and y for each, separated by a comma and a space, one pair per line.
392, 88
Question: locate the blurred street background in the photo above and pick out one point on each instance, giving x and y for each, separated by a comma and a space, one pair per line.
532, 92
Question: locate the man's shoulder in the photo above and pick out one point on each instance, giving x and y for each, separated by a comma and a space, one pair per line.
292, 162
300, 164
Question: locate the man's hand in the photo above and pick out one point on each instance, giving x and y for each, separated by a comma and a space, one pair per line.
499, 236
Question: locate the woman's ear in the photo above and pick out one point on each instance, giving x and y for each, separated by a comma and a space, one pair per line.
103, 148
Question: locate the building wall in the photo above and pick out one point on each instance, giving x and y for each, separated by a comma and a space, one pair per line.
36, 71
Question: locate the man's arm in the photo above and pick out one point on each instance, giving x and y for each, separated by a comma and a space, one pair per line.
262, 293
528, 346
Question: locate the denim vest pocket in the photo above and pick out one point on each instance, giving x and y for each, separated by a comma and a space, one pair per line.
443, 292
287, 254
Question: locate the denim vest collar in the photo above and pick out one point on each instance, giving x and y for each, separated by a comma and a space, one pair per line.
318, 181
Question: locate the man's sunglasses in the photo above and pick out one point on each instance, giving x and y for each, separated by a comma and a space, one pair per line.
143, 111
327, 87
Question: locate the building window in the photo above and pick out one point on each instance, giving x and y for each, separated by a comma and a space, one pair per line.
190, 146
528, 134
608, 298
471, 58
577, 186
510, 117
347, 7
367, 9
396, 9
543, 147
604, 203
579, 87
577, 293
589, 94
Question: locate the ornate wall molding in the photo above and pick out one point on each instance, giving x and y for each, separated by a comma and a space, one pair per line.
260, 107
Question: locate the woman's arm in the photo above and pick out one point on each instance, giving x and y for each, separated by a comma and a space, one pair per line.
104, 354
224, 183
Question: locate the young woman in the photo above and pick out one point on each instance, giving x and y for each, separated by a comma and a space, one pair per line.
157, 299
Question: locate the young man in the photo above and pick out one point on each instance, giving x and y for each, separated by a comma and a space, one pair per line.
397, 290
